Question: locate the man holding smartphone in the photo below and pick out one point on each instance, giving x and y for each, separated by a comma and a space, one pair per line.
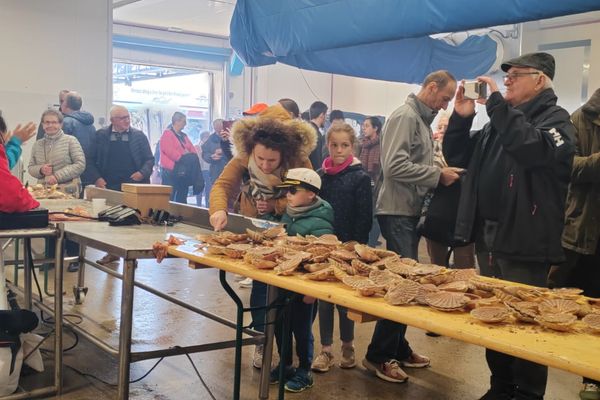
513, 196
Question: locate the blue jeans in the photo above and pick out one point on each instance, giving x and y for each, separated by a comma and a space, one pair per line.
301, 319
326, 317
206, 192
374, 233
258, 298
388, 341
180, 190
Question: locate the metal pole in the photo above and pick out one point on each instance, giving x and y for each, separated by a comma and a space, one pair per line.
263, 389
81, 272
285, 342
126, 327
238, 334
58, 308
27, 264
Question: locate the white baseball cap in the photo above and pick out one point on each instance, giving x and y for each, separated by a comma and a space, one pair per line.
304, 177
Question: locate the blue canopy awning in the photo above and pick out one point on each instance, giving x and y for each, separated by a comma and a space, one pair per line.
381, 39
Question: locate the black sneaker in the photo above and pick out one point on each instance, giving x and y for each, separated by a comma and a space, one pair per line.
496, 394
288, 373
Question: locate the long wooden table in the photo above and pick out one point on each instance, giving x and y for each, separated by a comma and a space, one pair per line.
577, 352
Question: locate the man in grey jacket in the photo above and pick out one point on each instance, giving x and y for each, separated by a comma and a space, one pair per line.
407, 175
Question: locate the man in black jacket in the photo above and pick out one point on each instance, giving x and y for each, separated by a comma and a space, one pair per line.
318, 112
513, 197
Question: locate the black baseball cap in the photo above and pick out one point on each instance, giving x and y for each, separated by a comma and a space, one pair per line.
541, 61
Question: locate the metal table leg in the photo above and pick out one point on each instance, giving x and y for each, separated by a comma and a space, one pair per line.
80, 291
126, 328
263, 390
238, 334
58, 308
27, 271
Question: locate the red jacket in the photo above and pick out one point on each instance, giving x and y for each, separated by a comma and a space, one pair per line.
171, 149
13, 196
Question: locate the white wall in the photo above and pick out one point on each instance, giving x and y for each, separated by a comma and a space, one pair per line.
52, 45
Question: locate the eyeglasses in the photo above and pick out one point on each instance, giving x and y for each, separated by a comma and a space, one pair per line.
124, 117
514, 75
50, 122
295, 189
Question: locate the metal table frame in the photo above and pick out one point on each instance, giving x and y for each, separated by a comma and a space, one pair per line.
28, 234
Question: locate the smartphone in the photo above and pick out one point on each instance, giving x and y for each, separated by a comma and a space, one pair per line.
475, 90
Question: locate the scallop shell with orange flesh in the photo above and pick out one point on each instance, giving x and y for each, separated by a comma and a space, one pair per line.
558, 322
592, 321
490, 315
558, 306
402, 293
366, 253
446, 301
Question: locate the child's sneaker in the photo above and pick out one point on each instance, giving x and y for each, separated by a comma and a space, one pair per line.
348, 360
301, 381
258, 356
287, 374
323, 362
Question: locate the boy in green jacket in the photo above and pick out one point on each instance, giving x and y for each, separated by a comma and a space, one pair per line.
306, 214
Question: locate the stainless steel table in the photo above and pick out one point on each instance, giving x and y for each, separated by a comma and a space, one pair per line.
28, 234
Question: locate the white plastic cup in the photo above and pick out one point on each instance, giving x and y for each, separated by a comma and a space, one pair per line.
98, 205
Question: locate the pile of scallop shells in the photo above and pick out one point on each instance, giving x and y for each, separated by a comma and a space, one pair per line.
403, 281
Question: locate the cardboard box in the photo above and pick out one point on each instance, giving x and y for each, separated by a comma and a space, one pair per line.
145, 197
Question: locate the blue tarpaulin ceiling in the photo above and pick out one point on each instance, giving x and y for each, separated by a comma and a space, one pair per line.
381, 39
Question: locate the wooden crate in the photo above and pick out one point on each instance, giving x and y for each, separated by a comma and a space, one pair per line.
145, 197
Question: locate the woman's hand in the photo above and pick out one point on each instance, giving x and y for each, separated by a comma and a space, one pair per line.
218, 220
50, 180
265, 206
24, 133
46, 170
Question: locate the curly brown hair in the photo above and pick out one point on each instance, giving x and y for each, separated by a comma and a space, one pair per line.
274, 135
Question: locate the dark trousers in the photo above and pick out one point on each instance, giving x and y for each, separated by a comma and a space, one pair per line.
258, 298
302, 316
388, 341
527, 378
179, 192
326, 318
581, 271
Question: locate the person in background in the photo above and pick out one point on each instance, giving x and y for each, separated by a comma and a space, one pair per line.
306, 214
174, 144
581, 235
370, 157
290, 106
256, 109
266, 148
336, 117
205, 171
81, 125
212, 151
407, 175
305, 116
318, 113
120, 154
347, 187
58, 159
513, 195
14, 198
61, 99
464, 256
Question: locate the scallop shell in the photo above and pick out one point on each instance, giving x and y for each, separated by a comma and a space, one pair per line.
315, 267
288, 266
446, 301
566, 293
485, 285
402, 293
339, 273
297, 240
455, 286
343, 255
256, 237
327, 240
409, 261
464, 274
557, 322
363, 285
593, 322
424, 290
529, 294
321, 275
524, 311
341, 265
558, 306
273, 232
427, 269
215, 250
381, 253
399, 268
349, 245
260, 263
505, 297
383, 277
381, 264
361, 267
490, 315
366, 253
318, 250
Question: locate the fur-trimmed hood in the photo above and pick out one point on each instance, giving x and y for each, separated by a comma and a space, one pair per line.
299, 136
592, 106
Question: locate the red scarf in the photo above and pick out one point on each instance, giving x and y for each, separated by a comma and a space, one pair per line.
331, 169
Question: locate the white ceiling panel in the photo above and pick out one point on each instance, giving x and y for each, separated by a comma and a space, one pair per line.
203, 16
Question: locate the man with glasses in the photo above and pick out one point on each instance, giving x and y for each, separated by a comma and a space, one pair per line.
513, 196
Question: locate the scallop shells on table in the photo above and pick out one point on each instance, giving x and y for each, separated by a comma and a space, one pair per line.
289, 265
315, 267
361, 268
424, 290
366, 253
490, 315
321, 275
455, 286
384, 277
558, 322
402, 293
524, 311
566, 293
505, 297
592, 321
558, 306
343, 255
487, 286
446, 301
327, 240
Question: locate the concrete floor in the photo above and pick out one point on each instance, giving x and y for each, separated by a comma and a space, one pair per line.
458, 370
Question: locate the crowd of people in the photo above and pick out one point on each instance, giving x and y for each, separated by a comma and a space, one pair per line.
517, 198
